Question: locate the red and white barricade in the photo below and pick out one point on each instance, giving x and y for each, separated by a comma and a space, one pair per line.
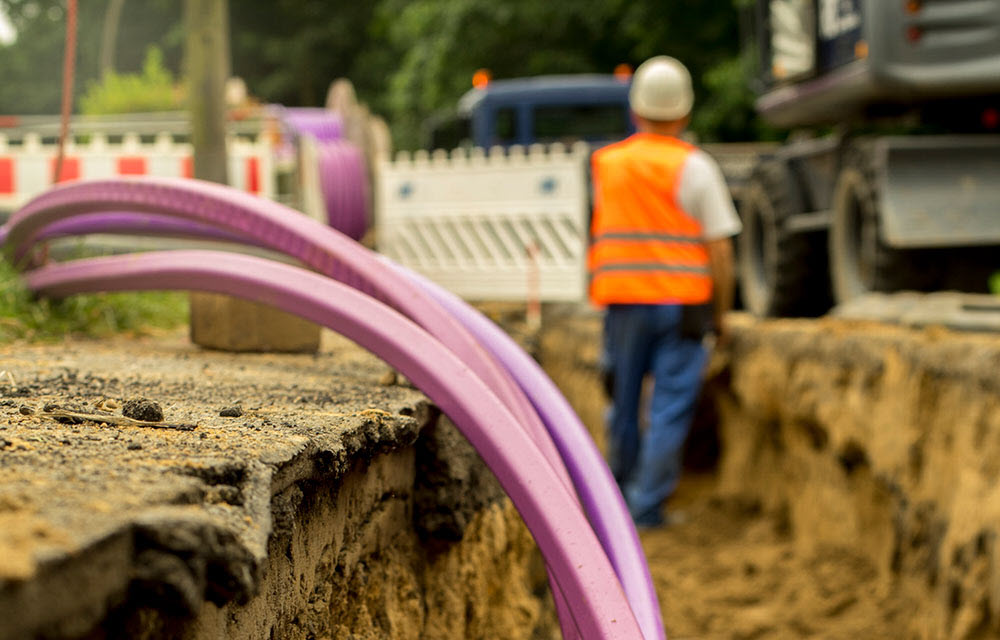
27, 164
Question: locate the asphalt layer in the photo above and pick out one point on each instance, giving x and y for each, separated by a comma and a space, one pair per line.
92, 512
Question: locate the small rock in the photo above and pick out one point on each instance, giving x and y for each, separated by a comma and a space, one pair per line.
25, 410
134, 446
388, 378
4, 443
234, 411
106, 404
142, 409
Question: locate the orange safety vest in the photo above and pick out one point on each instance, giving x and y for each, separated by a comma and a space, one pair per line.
645, 249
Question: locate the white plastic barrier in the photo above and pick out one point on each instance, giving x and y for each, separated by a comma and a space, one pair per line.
27, 165
503, 225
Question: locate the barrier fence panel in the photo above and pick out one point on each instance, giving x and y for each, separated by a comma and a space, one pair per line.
27, 163
497, 225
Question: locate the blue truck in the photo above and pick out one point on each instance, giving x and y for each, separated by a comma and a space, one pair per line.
540, 109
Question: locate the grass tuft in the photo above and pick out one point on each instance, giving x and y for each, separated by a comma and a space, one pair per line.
24, 317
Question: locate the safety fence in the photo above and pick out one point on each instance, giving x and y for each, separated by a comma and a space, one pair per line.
27, 162
502, 224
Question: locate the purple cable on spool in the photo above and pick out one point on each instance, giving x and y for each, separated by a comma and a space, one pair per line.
342, 171
344, 182
321, 124
582, 571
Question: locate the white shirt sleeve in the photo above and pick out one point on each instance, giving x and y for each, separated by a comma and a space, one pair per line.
703, 194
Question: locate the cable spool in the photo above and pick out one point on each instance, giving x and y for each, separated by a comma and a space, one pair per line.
343, 177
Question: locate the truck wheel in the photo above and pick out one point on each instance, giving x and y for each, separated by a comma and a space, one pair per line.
860, 262
782, 273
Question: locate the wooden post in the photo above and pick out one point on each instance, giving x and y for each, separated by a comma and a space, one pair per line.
207, 66
221, 322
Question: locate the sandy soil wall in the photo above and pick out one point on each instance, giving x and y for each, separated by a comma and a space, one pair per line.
378, 555
858, 441
881, 439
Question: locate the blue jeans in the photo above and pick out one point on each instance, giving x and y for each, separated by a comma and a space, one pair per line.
640, 339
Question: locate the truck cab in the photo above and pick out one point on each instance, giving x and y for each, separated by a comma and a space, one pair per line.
542, 109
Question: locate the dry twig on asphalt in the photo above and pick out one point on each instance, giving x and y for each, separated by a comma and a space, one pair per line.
116, 420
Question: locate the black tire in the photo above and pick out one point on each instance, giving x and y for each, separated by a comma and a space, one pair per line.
782, 273
860, 261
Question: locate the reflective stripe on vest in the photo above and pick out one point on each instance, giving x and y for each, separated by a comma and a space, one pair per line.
645, 248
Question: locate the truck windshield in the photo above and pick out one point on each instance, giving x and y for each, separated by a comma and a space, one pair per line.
569, 123
452, 133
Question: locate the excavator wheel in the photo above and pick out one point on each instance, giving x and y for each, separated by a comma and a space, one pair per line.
860, 261
782, 273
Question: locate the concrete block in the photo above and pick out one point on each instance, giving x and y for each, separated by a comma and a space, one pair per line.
230, 324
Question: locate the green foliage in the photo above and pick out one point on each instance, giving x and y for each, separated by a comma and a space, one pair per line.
407, 58
995, 283
442, 42
31, 66
727, 113
24, 318
151, 90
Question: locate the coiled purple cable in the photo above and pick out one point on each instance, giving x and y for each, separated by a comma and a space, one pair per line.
599, 493
341, 168
571, 549
320, 123
283, 227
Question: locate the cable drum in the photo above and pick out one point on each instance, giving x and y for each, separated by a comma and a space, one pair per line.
344, 182
321, 124
343, 177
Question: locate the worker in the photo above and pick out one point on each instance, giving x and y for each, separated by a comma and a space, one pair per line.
661, 263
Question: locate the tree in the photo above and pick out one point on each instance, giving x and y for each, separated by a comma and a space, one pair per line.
31, 66
406, 58
444, 41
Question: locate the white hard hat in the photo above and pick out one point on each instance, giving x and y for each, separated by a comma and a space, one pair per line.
661, 89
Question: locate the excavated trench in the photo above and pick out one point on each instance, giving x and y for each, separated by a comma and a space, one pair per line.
841, 484
852, 489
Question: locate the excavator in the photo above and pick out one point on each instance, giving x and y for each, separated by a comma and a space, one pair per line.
890, 177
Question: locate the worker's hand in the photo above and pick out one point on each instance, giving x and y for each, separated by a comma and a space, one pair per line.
722, 335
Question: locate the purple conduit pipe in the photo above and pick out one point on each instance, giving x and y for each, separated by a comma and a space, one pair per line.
599, 493
144, 224
339, 257
273, 225
571, 549
157, 224
591, 476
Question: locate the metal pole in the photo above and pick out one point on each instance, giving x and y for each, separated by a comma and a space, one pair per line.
69, 66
